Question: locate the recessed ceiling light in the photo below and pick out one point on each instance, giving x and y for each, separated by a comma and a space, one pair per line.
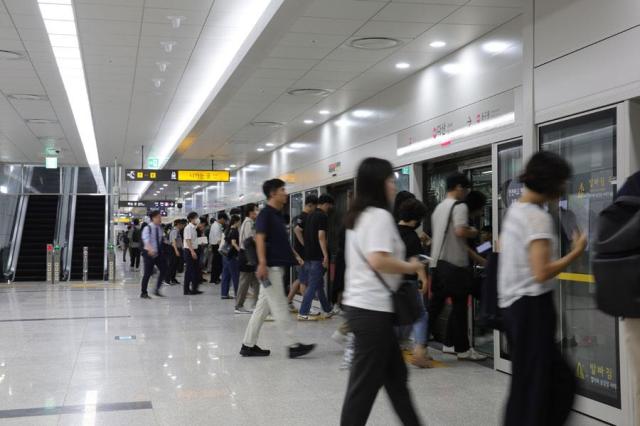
157, 82
176, 21
452, 68
196, 187
375, 43
362, 113
298, 145
232, 165
403, 65
495, 46
324, 112
227, 169
165, 184
27, 97
437, 44
10, 55
162, 65
309, 121
309, 92
267, 124
342, 123
160, 189
260, 149
269, 144
168, 45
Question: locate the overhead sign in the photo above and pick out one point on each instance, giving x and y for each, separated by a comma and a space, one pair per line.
153, 163
51, 162
178, 175
149, 204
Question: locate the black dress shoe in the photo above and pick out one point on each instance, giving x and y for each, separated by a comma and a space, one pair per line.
157, 293
187, 293
196, 292
254, 351
300, 350
145, 296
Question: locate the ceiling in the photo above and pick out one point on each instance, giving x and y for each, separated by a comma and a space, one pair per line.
306, 45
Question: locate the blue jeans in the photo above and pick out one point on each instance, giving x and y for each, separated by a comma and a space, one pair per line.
230, 272
315, 285
421, 326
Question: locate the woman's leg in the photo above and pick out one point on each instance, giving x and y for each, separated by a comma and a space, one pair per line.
235, 274
226, 277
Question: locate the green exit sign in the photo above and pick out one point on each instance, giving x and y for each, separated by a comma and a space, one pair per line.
406, 170
153, 163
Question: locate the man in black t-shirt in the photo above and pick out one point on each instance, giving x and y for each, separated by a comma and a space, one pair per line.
316, 254
310, 205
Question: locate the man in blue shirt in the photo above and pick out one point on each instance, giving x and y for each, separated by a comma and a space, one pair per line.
152, 254
274, 254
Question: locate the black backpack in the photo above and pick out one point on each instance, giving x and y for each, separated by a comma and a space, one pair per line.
135, 235
617, 259
490, 313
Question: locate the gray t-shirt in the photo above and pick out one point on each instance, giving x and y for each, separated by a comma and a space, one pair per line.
523, 223
174, 235
451, 248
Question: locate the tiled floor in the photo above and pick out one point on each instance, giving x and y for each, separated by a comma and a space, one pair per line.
184, 361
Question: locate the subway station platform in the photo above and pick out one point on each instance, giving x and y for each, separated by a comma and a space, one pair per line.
178, 364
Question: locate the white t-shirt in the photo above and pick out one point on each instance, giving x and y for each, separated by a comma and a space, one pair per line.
191, 233
523, 223
375, 231
453, 249
215, 234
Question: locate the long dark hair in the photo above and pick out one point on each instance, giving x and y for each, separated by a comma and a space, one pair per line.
370, 188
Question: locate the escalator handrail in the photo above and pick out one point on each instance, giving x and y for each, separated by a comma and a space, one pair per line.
16, 237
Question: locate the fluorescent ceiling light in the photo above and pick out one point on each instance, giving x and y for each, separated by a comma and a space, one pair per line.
270, 144
362, 113
495, 46
324, 112
298, 145
403, 65
461, 133
342, 123
196, 187
165, 184
227, 168
232, 165
309, 121
3, 189
437, 44
59, 20
452, 68
260, 149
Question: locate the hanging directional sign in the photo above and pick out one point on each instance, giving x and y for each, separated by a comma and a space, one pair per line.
178, 175
149, 204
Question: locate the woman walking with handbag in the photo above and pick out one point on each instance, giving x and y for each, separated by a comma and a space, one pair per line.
375, 264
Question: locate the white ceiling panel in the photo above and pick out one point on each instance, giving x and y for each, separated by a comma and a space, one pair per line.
27, 21
161, 16
7, 33
415, 12
21, 85
327, 26
312, 40
90, 39
393, 29
130, 3
34, 109
285, 64
202, 5
477, 15
503, 3
348, 53
104, 28
454, 35
344, 9
152, 29
290, 52
22, 7
47, 130
108, 12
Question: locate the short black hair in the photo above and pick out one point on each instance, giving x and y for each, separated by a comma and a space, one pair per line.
272, 185
412, 209
546, 173
457, 179
401, 197
212, 220
154, 213
326, 199
475, 201
223, 215
249, 208
311, 199
191, 216
204, 219
136, 221
234, 219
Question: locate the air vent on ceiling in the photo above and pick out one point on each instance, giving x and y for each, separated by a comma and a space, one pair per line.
266, 124
27, 97
309, 92
375, 43
40, 121
10, 55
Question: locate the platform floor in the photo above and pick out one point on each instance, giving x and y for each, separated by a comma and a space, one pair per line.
60, 364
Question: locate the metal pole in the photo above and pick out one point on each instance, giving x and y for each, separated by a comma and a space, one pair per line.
85, 264
56, 264
49, 263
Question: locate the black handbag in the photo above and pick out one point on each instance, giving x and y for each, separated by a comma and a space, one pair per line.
455, 280
406, 307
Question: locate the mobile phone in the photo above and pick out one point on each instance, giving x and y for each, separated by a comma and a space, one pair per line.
484, 247
424, 258
265, 283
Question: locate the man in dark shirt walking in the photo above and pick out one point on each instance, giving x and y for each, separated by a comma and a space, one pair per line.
310, 205
274, 254
316, 253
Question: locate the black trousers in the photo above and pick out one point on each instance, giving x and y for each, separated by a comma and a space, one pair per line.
174, 261
134, 255
216, 264
542, 384
124, 253
191, 280
377, 362
457, 326
149, 263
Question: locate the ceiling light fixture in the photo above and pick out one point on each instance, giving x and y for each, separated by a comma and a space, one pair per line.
260, 150
157, 82
309, 92
162, 65
452, 68
40, 121
269, 144
403, 65
375, 43
176, 21
59, 20
342, 123
495, 47
309, 121
227, 169
267, 124
232, 165
362, 113
437, 44
165, 184
3, 189
298, 145
27, 97
168, 45
324, 112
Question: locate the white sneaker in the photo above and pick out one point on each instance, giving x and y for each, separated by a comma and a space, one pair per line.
269, 318
339, 338
448, 350
471, 355
307, 318
336, 310
242, 311
326, 315
314, 313
292, 308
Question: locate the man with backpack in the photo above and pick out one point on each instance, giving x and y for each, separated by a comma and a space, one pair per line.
135, 244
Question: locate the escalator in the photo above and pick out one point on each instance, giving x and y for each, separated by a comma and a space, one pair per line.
39, 230
89, 232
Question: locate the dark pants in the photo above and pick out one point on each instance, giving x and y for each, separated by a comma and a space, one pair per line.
190, 282
216, 264
230, 274
149, 263
377, 362
134, 254
542, 384
174, 261
457, 326
124, 253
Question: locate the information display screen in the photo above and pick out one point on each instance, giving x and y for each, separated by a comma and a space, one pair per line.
177, 175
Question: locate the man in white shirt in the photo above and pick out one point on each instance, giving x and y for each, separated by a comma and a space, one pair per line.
450, 226
191, 281
215, 238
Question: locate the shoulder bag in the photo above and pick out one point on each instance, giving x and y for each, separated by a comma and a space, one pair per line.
405, 300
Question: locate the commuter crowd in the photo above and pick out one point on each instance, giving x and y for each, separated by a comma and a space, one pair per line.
398, 283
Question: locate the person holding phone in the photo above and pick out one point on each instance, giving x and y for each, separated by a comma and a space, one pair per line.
542, 385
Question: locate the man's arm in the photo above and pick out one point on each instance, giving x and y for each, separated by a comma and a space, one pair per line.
261, 250
299, 233
189, 244
322, 239
147, 241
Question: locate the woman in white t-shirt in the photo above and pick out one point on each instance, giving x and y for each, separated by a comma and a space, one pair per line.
542, 384
373, 243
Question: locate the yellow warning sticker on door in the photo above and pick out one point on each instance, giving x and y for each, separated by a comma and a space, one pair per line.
580, 371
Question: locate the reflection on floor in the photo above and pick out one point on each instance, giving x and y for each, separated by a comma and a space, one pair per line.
60, 363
